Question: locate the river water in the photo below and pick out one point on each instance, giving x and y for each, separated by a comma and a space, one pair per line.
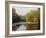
21, 28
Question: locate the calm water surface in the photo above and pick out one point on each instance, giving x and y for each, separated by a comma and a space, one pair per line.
21, 28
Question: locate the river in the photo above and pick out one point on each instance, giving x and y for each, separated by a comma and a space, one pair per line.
21, 28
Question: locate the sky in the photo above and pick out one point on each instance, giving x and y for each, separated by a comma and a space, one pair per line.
23, 10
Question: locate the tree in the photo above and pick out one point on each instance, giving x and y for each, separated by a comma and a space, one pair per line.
14, 16
33, 16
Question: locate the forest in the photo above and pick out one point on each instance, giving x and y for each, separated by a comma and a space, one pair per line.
32, 16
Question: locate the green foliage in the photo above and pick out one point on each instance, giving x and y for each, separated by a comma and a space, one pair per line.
33, 16
15, 17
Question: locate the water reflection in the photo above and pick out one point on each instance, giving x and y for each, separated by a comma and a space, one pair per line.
21, 28
26, 26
